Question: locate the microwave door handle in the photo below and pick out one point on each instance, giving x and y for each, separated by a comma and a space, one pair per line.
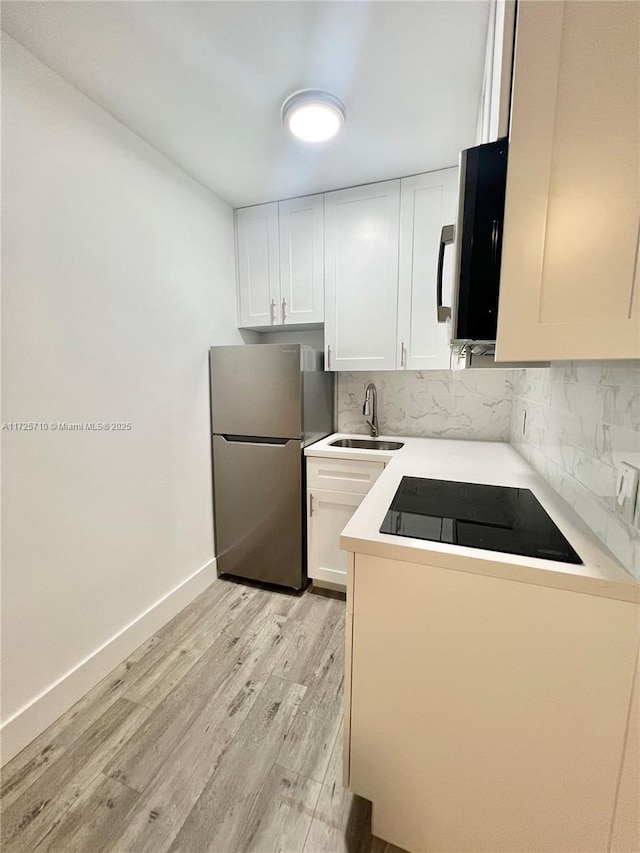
446, 237
496, 245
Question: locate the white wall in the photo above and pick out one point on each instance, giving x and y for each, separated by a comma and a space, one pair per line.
582, 420
118, 274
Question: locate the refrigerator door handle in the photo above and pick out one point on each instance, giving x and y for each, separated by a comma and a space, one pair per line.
257, 439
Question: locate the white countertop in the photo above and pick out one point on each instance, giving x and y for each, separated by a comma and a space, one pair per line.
493, 463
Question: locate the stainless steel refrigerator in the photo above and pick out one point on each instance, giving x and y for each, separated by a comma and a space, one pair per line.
268, 401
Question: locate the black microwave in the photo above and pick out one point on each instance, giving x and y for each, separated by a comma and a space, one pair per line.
478, 238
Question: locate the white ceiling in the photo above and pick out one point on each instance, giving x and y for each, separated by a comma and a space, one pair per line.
203, 82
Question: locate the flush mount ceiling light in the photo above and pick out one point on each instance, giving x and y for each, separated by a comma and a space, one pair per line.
313, 115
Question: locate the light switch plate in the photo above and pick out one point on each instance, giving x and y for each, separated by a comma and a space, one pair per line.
627, 491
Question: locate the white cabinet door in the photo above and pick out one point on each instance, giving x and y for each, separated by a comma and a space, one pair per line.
625, 835
361, 277
427, 202
495, 103
570, 273
487, 714
258, 265
302, 260
328, 514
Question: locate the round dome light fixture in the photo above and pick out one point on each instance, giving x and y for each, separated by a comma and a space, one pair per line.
313, 115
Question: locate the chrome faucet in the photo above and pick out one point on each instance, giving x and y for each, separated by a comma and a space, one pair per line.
370, 407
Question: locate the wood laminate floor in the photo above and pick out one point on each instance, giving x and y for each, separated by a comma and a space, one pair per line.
222, 733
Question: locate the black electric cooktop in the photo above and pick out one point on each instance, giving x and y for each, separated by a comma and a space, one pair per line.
496, 518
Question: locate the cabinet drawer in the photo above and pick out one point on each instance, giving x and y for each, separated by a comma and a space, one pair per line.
342, 475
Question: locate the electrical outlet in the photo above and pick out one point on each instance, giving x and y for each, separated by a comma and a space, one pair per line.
627, 492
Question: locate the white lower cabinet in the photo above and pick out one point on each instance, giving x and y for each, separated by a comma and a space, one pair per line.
335, 489
625, 835
489, 715
342, 475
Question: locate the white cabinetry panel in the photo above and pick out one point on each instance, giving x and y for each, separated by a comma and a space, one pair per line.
487, 714
427, 203
342, 475
329, 513
570, 250
258, 265
280, 263
495, 104
301, 260
335, 489
625, 835
361, 277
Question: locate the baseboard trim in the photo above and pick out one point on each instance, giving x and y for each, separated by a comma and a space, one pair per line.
332, 576
37, 715
328, 588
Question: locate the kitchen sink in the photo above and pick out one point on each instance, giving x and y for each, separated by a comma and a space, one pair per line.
367, 444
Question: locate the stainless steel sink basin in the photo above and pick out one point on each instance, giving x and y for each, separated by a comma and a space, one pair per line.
367, 444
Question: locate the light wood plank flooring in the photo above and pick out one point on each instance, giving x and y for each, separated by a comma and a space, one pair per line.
222, 733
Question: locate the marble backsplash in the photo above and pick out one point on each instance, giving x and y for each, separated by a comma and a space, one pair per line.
471, 404
574, 422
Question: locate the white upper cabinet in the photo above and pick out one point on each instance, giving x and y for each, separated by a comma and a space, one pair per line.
258, 264
361, 277
362, 260
427, 203
301, 260
280, 258
493, 117
569, 283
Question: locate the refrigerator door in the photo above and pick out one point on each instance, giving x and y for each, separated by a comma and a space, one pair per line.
258, 509
256, 390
